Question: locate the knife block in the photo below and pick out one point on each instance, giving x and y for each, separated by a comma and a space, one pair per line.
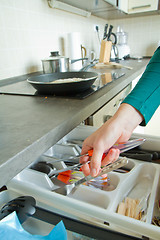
105, 51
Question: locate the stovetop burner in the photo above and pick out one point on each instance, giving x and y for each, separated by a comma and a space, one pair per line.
26, 89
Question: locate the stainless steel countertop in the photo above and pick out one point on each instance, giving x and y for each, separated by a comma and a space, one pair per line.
29, 125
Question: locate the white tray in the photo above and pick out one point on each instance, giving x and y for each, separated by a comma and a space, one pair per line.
93, 205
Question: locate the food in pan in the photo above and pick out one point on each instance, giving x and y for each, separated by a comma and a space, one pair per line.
66, 80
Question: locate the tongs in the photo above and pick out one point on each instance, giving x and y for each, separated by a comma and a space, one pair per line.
70, 188
121, 146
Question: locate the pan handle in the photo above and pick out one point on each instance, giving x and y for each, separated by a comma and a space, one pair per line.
79, 59
85, 68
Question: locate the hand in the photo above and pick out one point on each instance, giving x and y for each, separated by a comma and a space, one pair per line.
117, 129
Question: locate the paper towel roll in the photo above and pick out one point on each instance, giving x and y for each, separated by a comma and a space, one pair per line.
74, 49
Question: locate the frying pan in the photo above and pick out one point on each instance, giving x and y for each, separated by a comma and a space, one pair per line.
44, 83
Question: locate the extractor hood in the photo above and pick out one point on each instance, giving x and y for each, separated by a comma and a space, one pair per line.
106, 9
99, 8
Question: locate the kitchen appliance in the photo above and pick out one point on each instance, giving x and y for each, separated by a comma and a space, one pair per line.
91, 210
58, 63
122, 43
114, 53
24, 88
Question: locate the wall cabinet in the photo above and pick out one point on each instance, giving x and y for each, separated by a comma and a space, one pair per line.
138, 6
108, 9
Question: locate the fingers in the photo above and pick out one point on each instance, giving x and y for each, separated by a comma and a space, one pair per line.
95, 164
93, 168
85, 168
112, 156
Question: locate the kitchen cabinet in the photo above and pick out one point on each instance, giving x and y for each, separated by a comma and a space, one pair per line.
107, 111
108, 9
113, 2
85, 8
136, 6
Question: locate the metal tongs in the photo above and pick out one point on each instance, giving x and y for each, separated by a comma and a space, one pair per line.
70, 188
121, 146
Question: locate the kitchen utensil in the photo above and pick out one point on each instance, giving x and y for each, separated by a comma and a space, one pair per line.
43, 167
108, 36
52, 159
121, 146
48, 168
24, 207
109, 33
122, 37
114, 53
143, 155
105, 31
70, 188
58, 63
44, 83
122, 43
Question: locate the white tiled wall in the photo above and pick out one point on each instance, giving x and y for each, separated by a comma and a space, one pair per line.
29, 30
143, 33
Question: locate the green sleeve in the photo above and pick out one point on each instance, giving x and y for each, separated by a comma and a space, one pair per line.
145, 97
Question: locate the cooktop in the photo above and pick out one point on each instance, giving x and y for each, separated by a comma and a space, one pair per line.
25, 88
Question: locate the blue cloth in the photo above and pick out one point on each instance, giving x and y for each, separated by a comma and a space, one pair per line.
11, 229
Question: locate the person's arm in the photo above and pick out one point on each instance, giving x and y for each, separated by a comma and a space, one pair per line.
137, 108
145, 97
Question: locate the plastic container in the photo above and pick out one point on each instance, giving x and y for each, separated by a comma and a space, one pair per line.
95, 206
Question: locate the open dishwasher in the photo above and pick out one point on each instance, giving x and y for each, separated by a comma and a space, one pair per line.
99, 209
